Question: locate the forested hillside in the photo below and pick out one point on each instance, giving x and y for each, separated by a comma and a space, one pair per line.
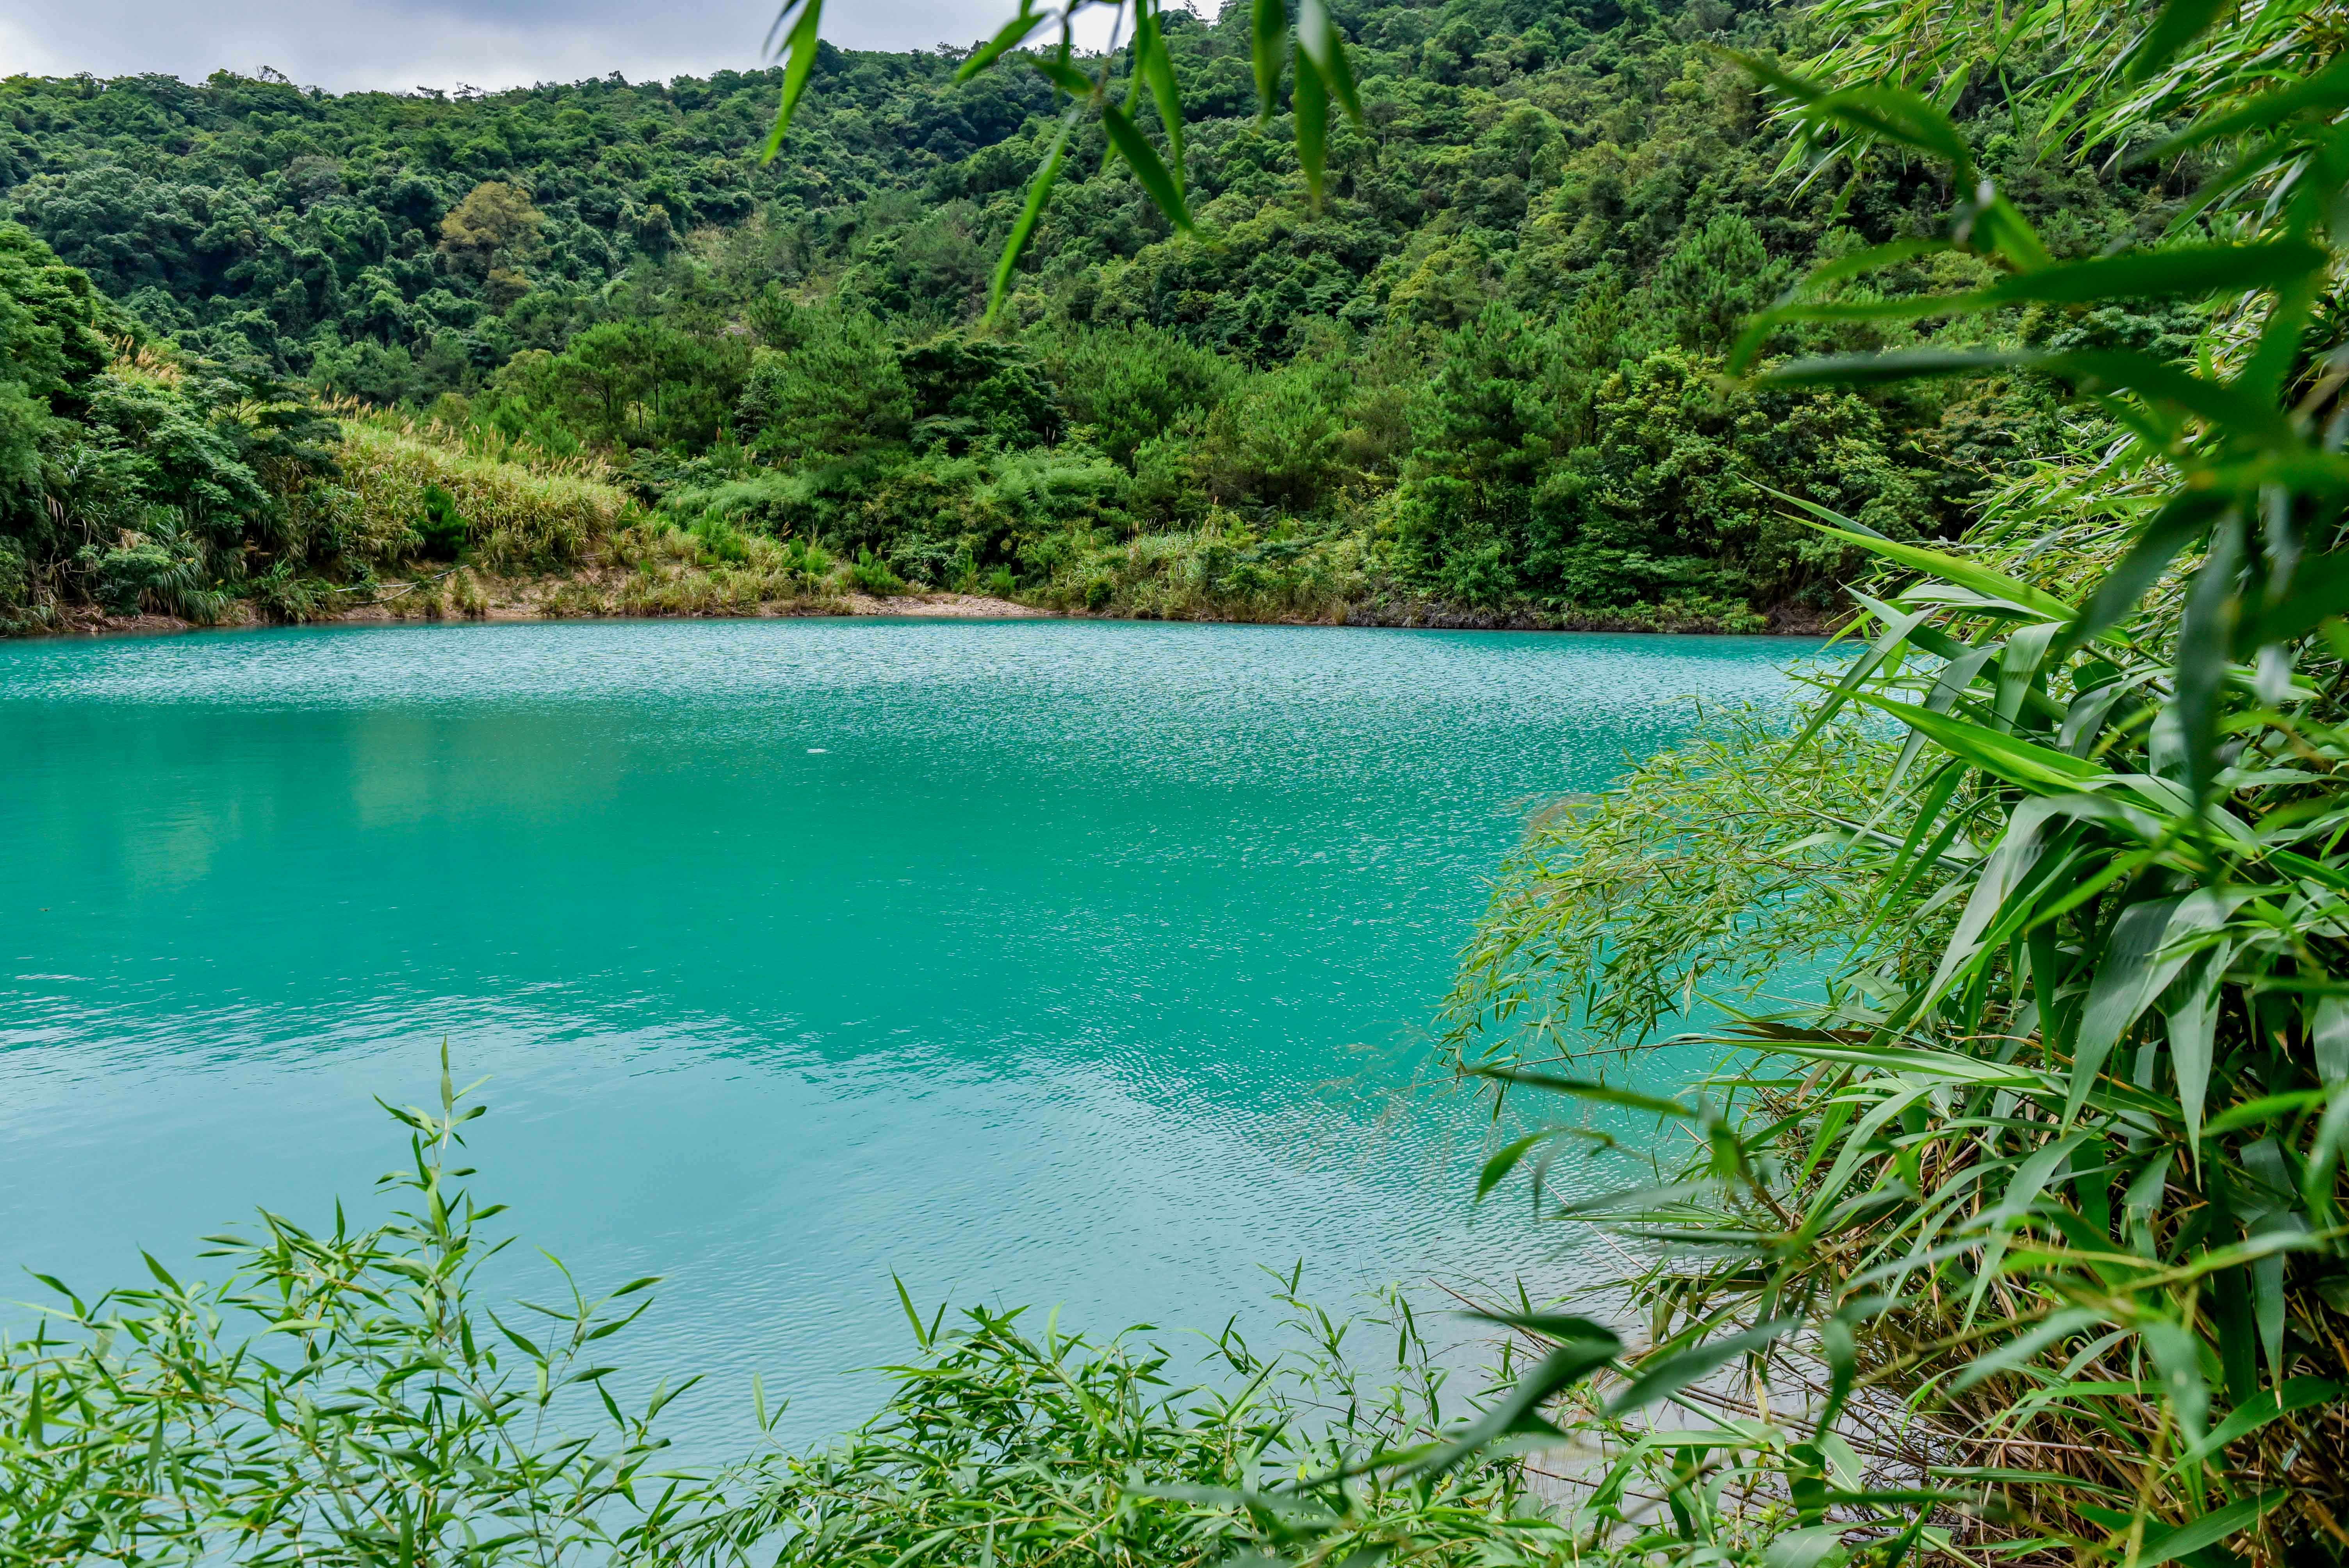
1482, 376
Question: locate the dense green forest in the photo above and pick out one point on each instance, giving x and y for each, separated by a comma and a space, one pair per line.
1482, 376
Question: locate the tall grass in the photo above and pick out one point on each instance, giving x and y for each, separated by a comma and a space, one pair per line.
520, 511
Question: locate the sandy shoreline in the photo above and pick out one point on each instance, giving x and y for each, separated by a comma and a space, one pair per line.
556, 600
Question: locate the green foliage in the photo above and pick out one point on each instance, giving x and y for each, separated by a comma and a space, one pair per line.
2011, 1229
2017, 1202
511, 507
1122, 386
836, 390
16, 579
341, 1397
1486, 349
133, 479
349, 1395
442, 531
1003, 1447
721, 543
872, 574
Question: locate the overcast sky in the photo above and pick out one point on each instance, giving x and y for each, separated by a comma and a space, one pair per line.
401, 44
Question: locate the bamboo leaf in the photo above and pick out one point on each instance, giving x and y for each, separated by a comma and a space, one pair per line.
2179, 272
2009, 757
1518, 1411
1496, 1170
1063, 75
1317, 39
2193, 1026
2162, 1545
1583, 1088
1267, 35
1143, 159
2325, 94
1858, 264
2008, 1354
2182, 519
906, 1303
2179, 22
2176, 1352
2206, 637
1945, 1066
1889, 113
2269, 1404
1311, 101
801, 45
1660, 1377
1970, 574
1040, 190
2141, 957
1899, 364
2319, 590
1157, 68
1009, 36
1550, 1324
1804, 1548
2183, 272
2157, 381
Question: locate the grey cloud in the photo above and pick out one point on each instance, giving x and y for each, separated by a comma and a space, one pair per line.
395, 44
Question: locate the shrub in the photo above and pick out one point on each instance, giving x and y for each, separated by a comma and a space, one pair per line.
16, 575
515, 515
285, 592
719, 542
2017, 1206
281, 1409
442, 530
872, 574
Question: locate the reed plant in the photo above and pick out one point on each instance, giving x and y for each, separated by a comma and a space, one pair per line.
517, 512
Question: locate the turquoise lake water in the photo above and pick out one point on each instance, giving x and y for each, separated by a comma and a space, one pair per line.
1050, 962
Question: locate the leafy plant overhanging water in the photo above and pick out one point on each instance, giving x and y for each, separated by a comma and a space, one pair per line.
2026, 1239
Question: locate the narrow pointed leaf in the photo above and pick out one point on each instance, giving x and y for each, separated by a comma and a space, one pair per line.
1660, 1377
1009, 36
1157, 68
1040, 190
2179, 22
2325, 93
802, 46
1310, 100
2186, 518
2010, 757
1143, 159
1267, 35
1957, 568
1325, 51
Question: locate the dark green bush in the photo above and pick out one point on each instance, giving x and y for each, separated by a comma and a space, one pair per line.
872, 574
440, 532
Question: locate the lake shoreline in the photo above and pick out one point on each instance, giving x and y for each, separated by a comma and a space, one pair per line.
588, 596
